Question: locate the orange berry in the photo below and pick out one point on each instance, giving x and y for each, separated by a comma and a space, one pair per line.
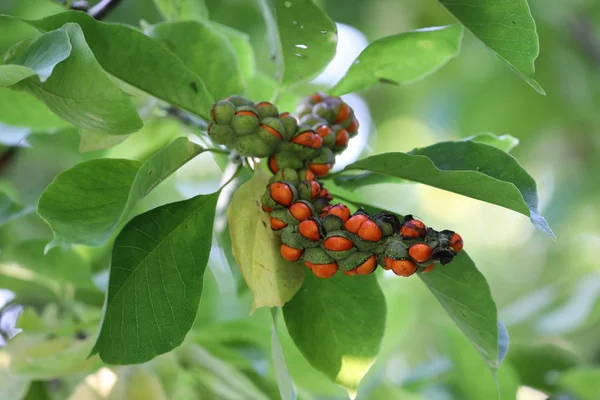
300, 211
368, 266
309, 265
267, 209
273, 165
320, 170
264, 104
325, 210
456, 243
388, 264
403, 267
291, 254
306, 139
309, 175
271, 130
325, 193
370, 231
316, 97
284, 114
277, 224
317, 142
281, 193
342, 138
354, 223
413, 229
247, 113
337, 243
430, 267
341, 211
325, 270
315, 188
323, 130
309, 229
352, 272
420, 252
353, 127
343, 114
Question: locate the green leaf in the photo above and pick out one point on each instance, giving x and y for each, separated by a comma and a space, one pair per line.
204, 51
242, 46
472, 169
282, 375
12, 386
504, 142
92, 141
89, 202
139, 61
301, 36
581, 382
22, 109
9, 209
156, 276
177, 10
40, 57
79, 91
402, 58
506, 27
465, 295
338, 324
272, 280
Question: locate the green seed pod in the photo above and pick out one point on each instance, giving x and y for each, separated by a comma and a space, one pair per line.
290, 237
354, 260
299, 209
312, 119
239, 101
305, 190
381, 259
287, 159
290, 124
366, 246
332, 223
316, 255
281, 214
320, 203
325, 156
303, 109
329, 140
285, 174
223, 112
323, 111
270, 131
249, 146
222, 134
268, 203
396, 250
266, 110
338, 244
387, 222
292, 188
245, 121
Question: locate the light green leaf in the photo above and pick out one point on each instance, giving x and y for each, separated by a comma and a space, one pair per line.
177, 10
79, 91
204, 51
301, 37
12, 386
504, 142
22, 109
92, 141
402, 58
581, 382
139, 61
472, 169
282, 375
506, 27
242, 46
9, 209
89, 202
338, 324
272, 280
137, 382
156, 278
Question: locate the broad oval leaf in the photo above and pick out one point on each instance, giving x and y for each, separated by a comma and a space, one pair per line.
156, 276
89, 202
338, 325
79, 91
402, 58
177, 10
472, 169
506, 27
138, 60
204, 51
22, 109
302, 38
272, 280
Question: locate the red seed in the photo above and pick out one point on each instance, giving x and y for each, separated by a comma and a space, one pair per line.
317, 142
368, 266
284, 114
413, 229
354, 223
370, 231
403, 267
305, 139
281, 193
310, 230
271, 130
300, 211
247, 113
430, 267
323, 130
267, 209
352, 272
343, 113
420, 252
353, 127
324, 270
320, 170
309, 175
291, 254
264, 104
456, 243
315, 188
325, 193
273, 165
341, 211
342, 138
309, 265
316, 97
388, 264
277, 224
337, 243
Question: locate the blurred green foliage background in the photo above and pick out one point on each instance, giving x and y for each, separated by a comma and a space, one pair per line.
547, 292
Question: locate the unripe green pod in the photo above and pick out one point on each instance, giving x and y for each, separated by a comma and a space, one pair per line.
239, 101
316, 255
270, 131
366, 246
320, 203
268, 203
323, 111
353, 260
332, 223
249, 146
306, 190
338, 244
303, 109
396, 250
223, 112
381, 259
290, 125
312, 119
285, 174
387, 222
245, 121
266, 110
281, 214
293, 212
325, 156
287, 159
329, 140
290, 237
222, 134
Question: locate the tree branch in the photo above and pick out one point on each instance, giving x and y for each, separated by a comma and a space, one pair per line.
101, 10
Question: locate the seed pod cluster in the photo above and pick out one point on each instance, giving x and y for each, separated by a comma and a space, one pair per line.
327, 237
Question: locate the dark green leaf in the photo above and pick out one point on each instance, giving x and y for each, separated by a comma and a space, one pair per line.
38, 57
156, 277
338, 324
505, 27
204, 51
139, 61
581, 382
282, 375
89, 202
402, 58
10, 209
302, 38
472, 169
178, 10
504, 142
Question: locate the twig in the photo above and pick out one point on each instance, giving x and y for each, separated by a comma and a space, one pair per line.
101, 10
